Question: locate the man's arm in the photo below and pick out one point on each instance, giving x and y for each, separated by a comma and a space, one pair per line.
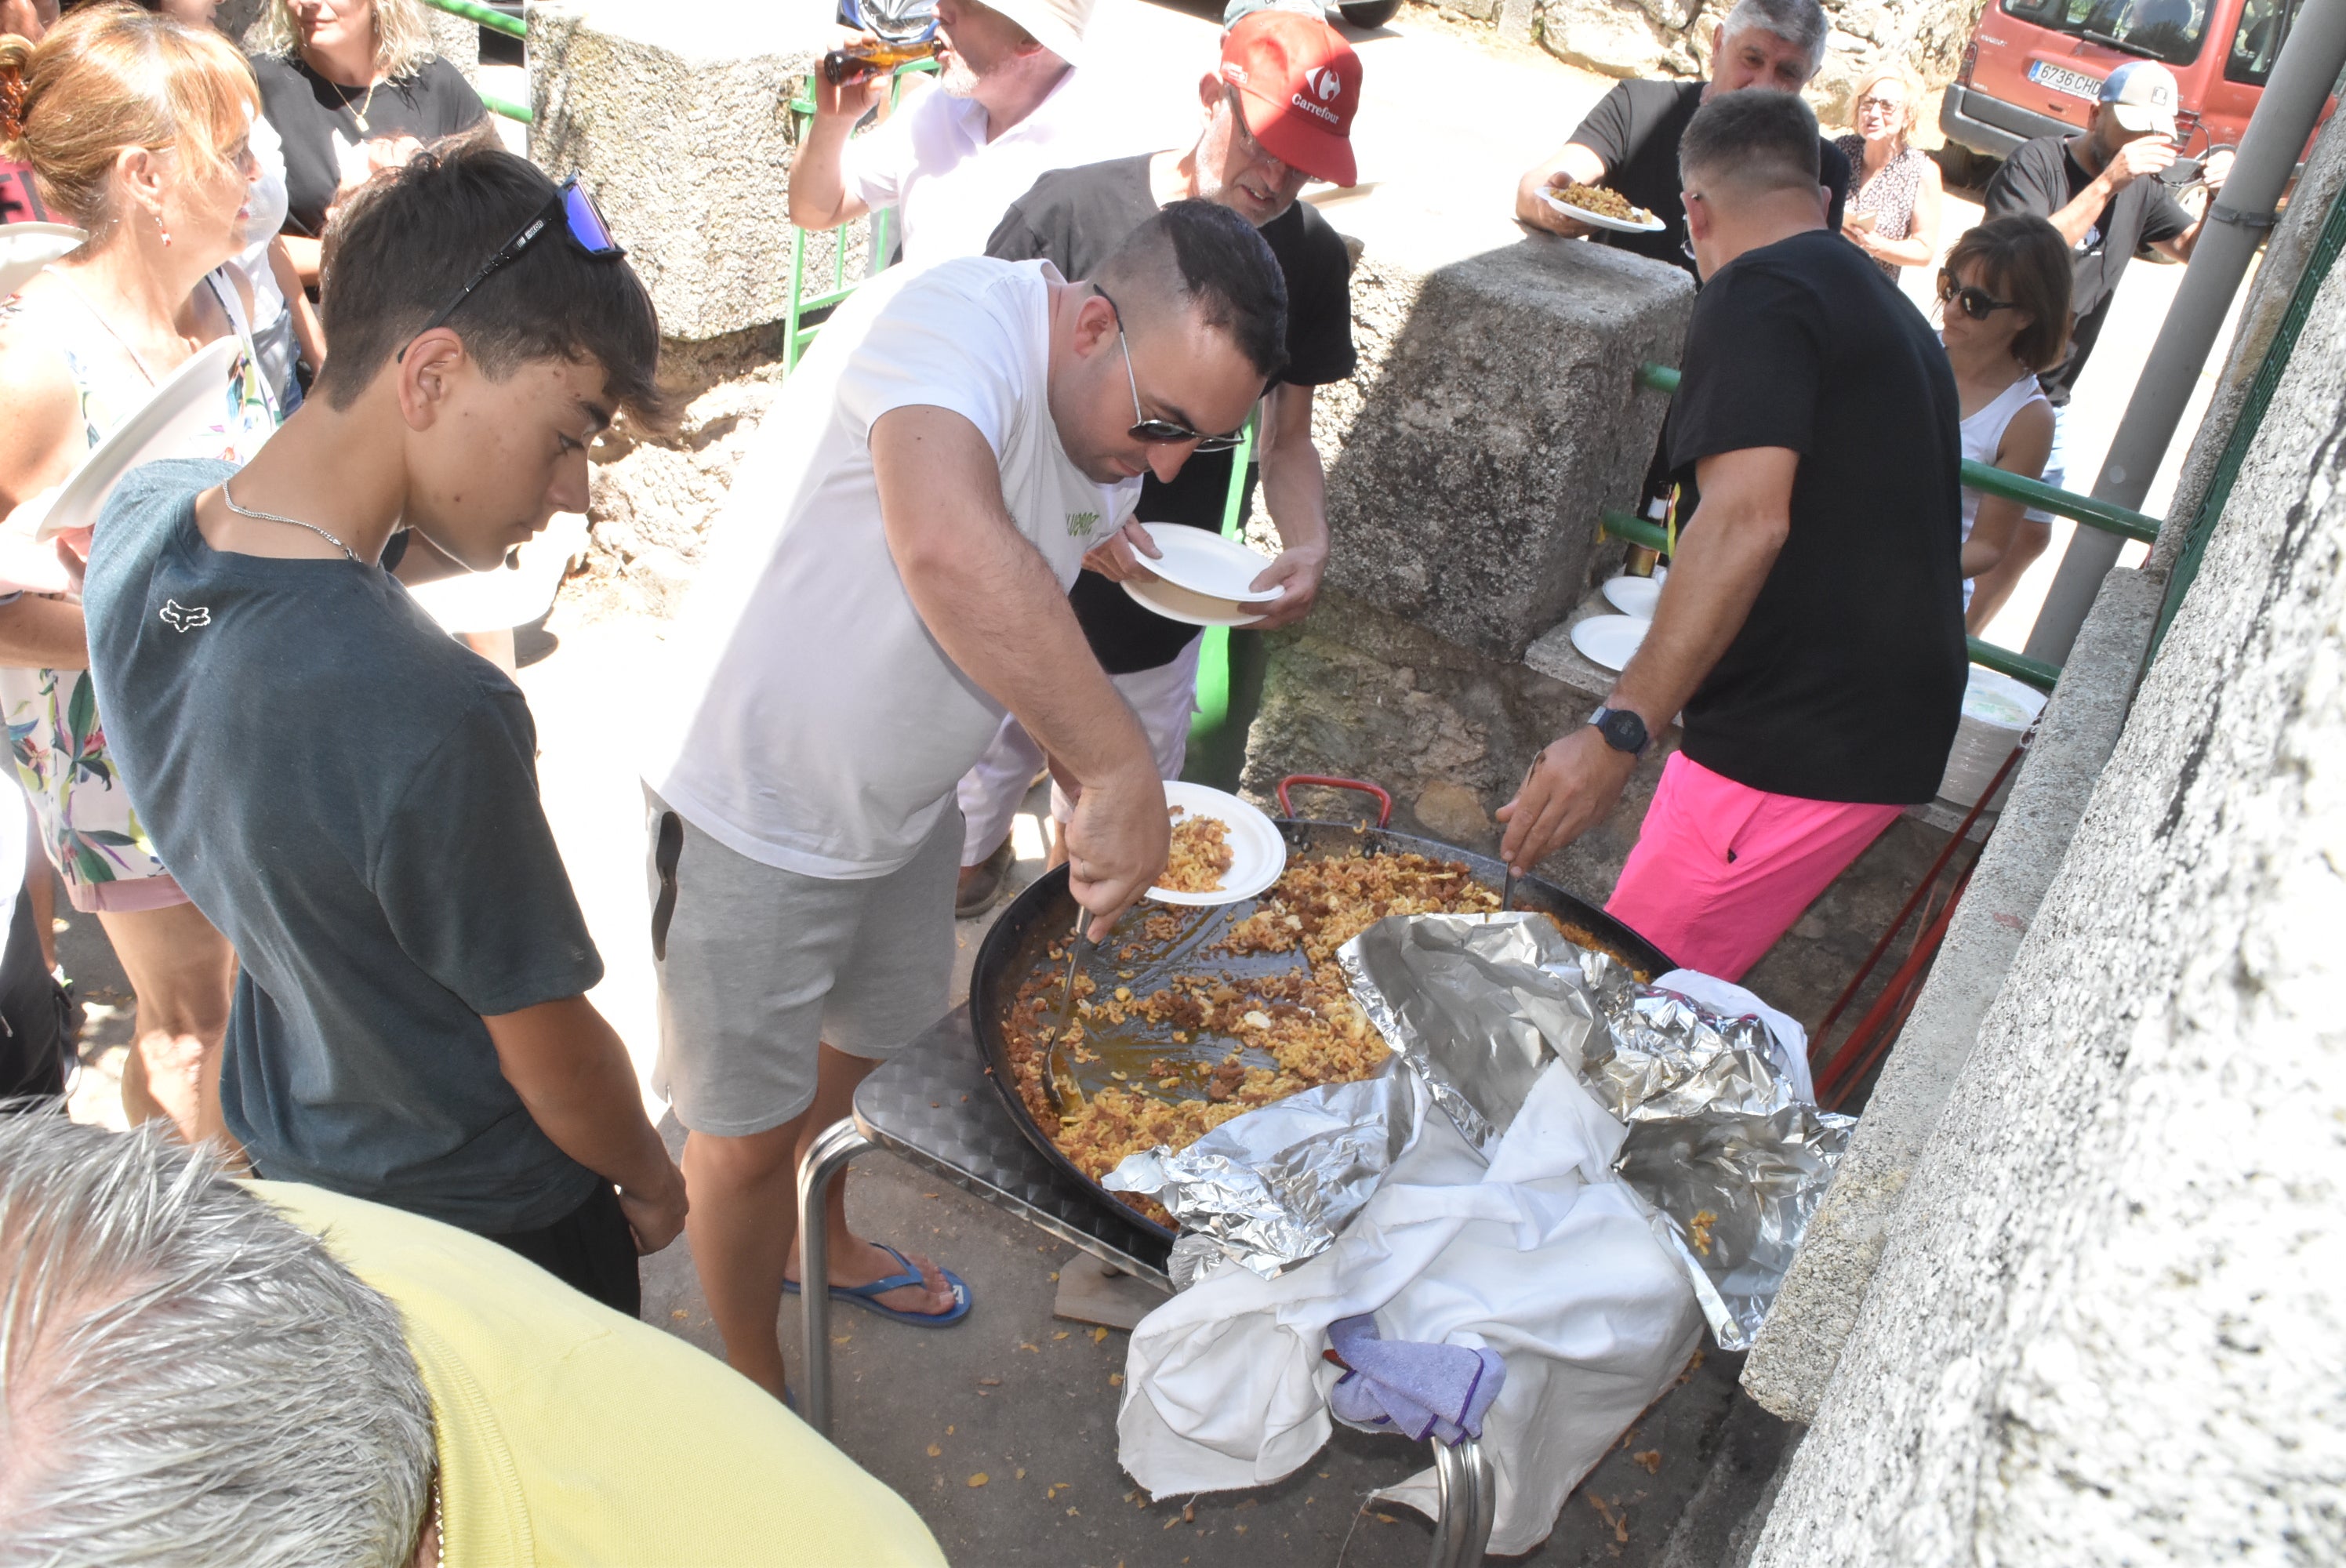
819, 197
2178, 246
1295, 491
1729, 545
574, 1077
995, 607
1572, 163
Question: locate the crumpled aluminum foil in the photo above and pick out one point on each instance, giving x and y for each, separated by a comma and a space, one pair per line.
1720, 1143
1476, 1004
1273, 1186
1732, 1196
1662, 1055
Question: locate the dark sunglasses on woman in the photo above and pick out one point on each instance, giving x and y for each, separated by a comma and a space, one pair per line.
1976, 303
582, 221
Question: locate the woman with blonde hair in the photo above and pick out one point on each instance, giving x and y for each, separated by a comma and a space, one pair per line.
350, 84
137, 130
1893, 186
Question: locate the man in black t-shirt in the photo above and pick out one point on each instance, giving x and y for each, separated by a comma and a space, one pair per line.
1629, 142
1811, 630
1279, 110
2102, 190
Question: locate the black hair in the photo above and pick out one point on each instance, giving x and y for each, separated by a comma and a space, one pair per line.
1207, 258
409, 239
1758, 140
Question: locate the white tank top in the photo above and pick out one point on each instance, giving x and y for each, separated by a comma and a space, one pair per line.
1983, 435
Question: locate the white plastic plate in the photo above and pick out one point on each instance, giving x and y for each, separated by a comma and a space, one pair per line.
1610, 640
1652, 225
191, 399
27, 247
1181, 604
1634, 596
1209, 563
1257, 854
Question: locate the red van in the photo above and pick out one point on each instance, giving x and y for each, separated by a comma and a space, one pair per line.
2034, 67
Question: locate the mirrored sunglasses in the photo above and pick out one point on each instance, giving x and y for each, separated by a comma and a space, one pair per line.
581, 220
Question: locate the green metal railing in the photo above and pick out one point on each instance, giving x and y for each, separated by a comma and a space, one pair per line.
1977, 476
2019, 666
798, 332
1993, 481
495, 21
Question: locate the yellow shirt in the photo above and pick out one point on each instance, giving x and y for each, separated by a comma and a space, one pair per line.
571, 1435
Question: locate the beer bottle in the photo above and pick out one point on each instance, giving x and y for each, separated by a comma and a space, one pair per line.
842, 66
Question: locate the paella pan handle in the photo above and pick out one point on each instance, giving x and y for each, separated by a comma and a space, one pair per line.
1384, 801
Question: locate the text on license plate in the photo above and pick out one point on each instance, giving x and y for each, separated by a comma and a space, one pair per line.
2061, 79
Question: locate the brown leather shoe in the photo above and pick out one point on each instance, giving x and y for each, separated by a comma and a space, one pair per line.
981, 884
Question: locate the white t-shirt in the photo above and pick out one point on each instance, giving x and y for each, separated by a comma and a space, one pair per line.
950, 185
813, 722
272, 322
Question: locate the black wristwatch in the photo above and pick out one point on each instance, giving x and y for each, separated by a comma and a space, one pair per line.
1622, 730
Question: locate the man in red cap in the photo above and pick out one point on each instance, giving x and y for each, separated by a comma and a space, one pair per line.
1278, 111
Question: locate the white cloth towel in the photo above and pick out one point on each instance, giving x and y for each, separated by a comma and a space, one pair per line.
1543, 1255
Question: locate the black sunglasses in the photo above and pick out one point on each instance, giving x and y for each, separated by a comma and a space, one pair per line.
1976, 303
581, 220
1162, 431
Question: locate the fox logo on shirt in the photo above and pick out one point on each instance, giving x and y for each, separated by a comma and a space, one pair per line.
183, 618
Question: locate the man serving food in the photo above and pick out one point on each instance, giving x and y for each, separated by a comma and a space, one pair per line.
890, 575
1811, 627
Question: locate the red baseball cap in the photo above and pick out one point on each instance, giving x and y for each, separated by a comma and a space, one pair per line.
1299, 83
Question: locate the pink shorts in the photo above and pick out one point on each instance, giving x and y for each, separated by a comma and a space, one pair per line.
1721, 869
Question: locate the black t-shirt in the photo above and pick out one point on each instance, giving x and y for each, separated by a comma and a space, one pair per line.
2041, 178
1846, 680
1075, 218
1635, 128
309, 111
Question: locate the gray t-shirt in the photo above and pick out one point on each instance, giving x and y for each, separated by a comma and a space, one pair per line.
352, 796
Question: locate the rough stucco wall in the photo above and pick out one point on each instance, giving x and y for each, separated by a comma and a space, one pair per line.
2104, 1330
1672, 39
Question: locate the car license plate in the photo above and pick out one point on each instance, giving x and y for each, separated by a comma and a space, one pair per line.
2061, 79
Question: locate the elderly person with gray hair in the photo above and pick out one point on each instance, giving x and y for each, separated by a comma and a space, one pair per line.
200, 1370
1629, 142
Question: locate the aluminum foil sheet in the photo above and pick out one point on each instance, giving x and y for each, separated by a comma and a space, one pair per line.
1476, 1004
1732, 1195
1660, 1055
1273, 1186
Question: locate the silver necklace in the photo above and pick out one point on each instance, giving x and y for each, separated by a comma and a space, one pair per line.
296, 522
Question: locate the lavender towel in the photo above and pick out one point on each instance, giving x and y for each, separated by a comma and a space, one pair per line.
1404, 1384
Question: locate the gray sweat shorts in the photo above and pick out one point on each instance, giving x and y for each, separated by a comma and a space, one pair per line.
762, 965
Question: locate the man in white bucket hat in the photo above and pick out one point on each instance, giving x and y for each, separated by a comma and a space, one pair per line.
1008, 108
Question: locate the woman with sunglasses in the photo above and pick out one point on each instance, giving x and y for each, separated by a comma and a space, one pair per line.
2004, 299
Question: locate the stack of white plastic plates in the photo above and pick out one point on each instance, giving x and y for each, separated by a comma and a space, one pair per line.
1204, 579
27, 247
191, 399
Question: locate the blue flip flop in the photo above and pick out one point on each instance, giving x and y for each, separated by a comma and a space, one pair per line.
868, 1295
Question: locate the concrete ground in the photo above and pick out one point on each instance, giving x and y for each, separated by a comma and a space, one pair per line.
1012, 1395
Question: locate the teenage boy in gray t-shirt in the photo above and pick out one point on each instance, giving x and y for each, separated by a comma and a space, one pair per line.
349, 794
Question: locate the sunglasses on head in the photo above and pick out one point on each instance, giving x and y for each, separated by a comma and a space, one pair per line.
1161, 432
581, 220
1974, 301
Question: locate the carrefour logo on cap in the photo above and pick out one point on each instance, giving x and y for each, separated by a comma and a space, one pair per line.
1324, 81
1309, 108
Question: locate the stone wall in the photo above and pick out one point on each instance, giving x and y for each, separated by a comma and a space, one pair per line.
2100, 1332
1672, 39
1495, 411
